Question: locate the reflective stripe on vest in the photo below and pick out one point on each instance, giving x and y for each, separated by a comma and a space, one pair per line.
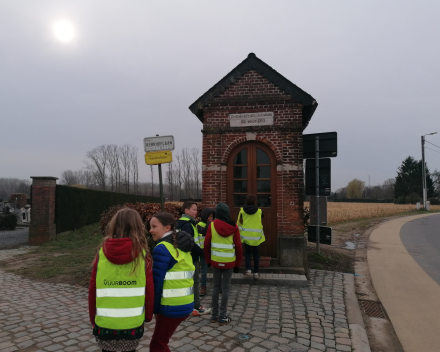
251, 231
178, 286
120, 294
224, 247
198, 239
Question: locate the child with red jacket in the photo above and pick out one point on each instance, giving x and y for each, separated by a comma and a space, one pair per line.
121, 292
224, 253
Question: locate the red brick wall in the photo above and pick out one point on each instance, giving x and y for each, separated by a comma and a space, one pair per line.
254, 93
42, 227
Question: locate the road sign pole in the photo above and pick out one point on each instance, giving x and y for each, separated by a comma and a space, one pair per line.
161, 189
318, 222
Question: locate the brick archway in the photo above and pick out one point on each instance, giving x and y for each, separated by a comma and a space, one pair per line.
245, 139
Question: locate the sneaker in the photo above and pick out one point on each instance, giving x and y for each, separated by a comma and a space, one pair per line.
256, 276
224, 320
248, 273
203, 291
214, 319
201, 311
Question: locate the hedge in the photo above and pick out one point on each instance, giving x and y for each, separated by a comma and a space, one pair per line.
8, 222
76, 207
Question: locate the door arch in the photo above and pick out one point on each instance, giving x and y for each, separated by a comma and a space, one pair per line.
252, 170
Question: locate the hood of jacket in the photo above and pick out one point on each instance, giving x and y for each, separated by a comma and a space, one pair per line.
224, 229
187, 218
250, 209
205, 214
222, 213
118, 250
185, 241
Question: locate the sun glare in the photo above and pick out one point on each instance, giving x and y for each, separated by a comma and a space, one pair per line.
64, 31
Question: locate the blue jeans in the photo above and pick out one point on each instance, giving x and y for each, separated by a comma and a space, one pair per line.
255, 252
203, 271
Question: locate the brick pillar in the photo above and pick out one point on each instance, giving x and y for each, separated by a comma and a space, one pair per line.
42, 228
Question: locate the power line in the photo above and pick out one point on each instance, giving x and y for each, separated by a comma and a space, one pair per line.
432, 144
432, 150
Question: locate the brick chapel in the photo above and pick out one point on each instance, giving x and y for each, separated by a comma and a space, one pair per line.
253, 121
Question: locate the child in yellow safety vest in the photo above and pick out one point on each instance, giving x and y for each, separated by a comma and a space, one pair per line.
223, 252
251, 232
121, 295
173, 272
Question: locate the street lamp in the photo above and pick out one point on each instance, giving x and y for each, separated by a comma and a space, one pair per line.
423, 168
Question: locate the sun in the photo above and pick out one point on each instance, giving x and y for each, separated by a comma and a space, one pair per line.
64, 31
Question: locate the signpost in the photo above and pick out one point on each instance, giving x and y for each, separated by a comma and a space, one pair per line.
157, 152
316, 146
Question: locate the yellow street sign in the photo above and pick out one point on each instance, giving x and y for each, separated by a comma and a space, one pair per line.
154, 158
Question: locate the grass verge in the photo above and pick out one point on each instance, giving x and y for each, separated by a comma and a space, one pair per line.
67, 259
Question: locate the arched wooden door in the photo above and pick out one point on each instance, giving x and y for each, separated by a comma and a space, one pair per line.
252, 170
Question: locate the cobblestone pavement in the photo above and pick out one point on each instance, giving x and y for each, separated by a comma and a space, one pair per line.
36, 316
16, 237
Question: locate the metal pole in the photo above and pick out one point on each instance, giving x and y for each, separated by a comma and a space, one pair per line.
318, 222
423, 172
162, 207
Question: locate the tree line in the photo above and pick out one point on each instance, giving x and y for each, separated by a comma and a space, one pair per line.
14, 185
406, 187
116, 168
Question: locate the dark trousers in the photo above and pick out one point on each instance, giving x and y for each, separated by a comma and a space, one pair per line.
255, 252
225, 283
163, 331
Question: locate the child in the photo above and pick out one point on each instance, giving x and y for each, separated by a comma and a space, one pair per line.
251, 232
223, 252
121, 295
187, 223
206, 217
173, 272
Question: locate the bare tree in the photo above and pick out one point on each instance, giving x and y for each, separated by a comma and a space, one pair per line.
125, 154
97, 163
179, 174
170, 181
196, 168
388, 188
68, 178
134, 166
114, 167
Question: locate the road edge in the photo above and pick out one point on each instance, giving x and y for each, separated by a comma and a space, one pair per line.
358, 334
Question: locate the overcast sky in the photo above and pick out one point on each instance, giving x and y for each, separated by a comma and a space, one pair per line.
134, 67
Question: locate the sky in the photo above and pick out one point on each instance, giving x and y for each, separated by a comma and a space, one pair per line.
133, 68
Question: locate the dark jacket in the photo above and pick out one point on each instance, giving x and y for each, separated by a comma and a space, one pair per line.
186, 226
118, 251
204, 218
225, 227
164, 261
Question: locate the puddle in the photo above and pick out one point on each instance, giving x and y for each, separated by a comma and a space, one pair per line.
350, 245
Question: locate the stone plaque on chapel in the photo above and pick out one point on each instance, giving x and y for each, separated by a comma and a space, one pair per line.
251, 119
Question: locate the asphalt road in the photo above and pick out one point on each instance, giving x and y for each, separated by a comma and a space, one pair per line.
10, 239
421, 238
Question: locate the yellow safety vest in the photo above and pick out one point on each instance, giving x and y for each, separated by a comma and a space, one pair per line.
222, 248
202, 224
198, 239
120, 297
178, 286
251, 229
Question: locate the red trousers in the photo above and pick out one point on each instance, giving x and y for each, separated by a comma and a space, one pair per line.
163, 331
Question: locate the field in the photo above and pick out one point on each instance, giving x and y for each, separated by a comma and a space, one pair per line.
339, 212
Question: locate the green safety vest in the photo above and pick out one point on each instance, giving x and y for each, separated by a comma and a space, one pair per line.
120, 297
198, 239
202, 224
251, 229
178, 286
222, 248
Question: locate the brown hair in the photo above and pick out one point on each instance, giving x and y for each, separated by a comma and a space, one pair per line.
187, 205
250, 199
168, 219
127, 223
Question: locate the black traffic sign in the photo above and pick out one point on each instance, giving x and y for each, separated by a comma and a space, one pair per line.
325, 234
328, 145
324, 177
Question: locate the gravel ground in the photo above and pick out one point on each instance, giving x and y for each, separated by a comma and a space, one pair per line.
17, 237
